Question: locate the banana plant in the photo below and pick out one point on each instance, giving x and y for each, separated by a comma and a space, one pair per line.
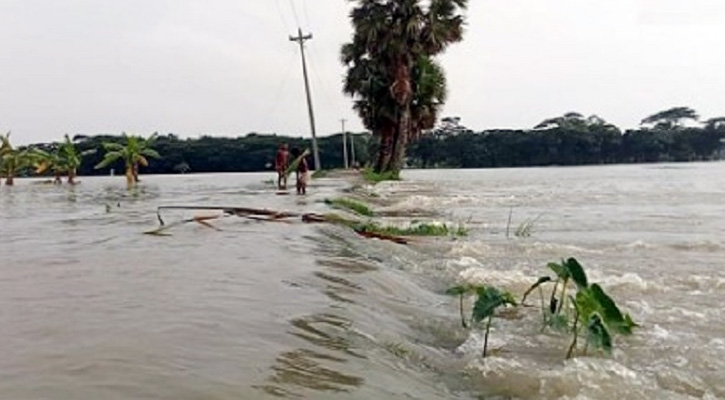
65, 159
12, 160
134, 152
49, 161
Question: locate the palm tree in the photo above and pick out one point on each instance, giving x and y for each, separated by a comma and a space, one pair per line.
133, 153
390, 55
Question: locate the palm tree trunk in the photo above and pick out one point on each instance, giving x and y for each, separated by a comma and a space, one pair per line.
10, 179
135, 173
385, 153
401, 141
402, 91
71, 176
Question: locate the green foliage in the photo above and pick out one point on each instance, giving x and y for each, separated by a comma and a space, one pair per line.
413, 230
134, 152
594, 310
591, 313
349, 204
488, 300
568, 140
374, 177
671, 118
525, 228
397, 87
13, 160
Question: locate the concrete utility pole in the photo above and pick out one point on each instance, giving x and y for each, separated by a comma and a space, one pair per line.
344, 144
301, 40
352, 150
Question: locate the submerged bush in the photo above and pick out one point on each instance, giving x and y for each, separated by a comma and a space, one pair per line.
355, 206
374, 177
413, 230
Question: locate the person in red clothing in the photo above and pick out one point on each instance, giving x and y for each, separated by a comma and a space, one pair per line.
302, 171
281, 162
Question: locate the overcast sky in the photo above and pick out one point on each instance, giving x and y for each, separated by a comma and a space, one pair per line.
227, 67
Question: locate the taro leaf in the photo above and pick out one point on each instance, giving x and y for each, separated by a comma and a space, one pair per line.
538, 283
598, 334
586, 304
609, 310
489, 299
560, 270
577, 273
629, 322
459, 290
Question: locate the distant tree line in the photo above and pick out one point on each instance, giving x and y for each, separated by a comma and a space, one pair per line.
572, 140
253, 152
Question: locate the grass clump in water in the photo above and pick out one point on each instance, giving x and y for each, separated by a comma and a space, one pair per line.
355, 206
374, 177
413, 230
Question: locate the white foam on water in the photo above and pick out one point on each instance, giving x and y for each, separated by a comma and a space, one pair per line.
629, 281
473, 248
636, 245
512, 279
558, 248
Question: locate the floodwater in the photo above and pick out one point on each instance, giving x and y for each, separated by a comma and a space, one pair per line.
90, 307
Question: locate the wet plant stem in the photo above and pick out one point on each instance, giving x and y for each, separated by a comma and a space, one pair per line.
508, 225
553, 297
543, 308
485, 338
563, 297
463, 317
576, 334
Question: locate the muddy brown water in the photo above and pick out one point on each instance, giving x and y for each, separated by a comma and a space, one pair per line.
92, 308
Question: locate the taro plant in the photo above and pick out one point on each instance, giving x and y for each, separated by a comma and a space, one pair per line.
488, 300
590, 312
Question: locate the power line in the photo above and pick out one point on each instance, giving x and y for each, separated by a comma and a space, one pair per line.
281, 16
294, 12
283, 82
321, 82
307, 16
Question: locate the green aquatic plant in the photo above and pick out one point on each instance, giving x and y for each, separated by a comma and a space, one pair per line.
488, 300
596, 316
355, 206
525, 228
461, 291
423, 229
374, 177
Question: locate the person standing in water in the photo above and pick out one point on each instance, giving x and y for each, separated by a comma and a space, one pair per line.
281, 161
302, 171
